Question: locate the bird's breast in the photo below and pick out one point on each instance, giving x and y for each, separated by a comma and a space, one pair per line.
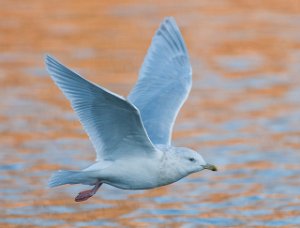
168, 172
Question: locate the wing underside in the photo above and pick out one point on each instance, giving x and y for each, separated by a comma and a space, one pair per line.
164, 82
113, 124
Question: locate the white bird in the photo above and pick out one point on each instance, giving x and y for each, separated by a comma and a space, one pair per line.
132, 137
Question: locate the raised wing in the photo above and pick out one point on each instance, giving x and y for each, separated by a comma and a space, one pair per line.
112, 123
164, 82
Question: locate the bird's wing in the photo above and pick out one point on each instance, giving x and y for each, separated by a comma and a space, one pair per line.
112, 123
164, 82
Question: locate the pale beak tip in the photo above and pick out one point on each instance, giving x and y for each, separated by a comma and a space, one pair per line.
210, 167
214, 168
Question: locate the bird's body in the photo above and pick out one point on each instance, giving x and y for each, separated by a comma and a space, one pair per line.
145, 172
132, 137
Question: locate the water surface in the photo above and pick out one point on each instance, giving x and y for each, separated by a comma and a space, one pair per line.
243, 113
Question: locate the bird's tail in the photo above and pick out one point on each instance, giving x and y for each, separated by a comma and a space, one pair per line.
62, 177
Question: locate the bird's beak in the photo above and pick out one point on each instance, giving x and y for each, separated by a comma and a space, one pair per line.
210, 167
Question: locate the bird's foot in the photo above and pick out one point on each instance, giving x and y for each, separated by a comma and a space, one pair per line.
84, 195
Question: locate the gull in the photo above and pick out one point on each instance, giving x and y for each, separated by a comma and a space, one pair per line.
132, 136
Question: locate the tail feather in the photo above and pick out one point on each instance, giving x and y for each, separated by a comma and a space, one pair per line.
62, 177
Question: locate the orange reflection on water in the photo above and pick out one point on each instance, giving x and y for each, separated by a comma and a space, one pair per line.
243, 113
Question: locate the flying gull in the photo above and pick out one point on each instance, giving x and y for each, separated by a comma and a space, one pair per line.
132, 136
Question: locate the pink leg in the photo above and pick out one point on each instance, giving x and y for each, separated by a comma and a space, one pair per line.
84, 195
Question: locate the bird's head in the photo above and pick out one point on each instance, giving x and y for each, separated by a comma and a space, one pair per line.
191, 161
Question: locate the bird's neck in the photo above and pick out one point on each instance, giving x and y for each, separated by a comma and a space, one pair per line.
170, 167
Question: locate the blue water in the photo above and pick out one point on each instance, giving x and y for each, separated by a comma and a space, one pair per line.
243, 113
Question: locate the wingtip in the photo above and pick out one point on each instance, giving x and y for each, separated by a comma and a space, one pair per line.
47, 57
47, 61
169, 19
50, 61
169, 23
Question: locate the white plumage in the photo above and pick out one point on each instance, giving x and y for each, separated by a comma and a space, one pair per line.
132, 138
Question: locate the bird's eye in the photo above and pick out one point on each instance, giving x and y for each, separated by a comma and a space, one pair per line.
192, 159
